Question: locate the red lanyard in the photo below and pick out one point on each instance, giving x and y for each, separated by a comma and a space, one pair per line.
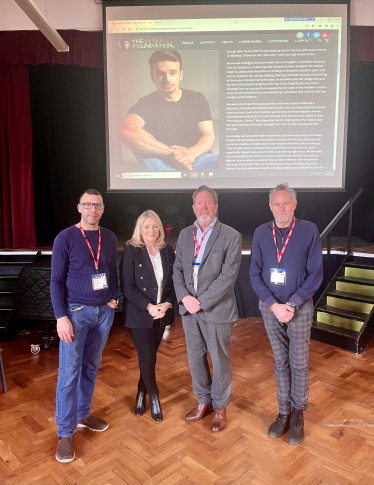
280, 254
96, 261
197, 247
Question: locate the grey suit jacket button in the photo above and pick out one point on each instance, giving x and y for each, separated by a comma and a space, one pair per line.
140, 265
144, 289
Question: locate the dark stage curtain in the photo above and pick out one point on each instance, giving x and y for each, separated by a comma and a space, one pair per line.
68, 117
32, 48
362, 43
17, 223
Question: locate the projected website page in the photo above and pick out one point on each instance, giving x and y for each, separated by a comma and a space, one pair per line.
239, 101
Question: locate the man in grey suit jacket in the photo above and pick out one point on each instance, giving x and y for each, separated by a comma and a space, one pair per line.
207, 262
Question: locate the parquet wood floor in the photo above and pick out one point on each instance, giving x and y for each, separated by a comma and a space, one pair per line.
338, 449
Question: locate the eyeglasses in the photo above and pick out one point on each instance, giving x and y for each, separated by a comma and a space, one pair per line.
89, 205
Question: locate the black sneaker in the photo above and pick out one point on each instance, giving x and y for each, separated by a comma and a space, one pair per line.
279, 426
296, 431
65, 451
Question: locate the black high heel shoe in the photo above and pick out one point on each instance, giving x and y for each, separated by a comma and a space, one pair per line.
140, 403
155, 405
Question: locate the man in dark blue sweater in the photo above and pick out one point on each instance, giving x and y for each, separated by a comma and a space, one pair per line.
285, 271
84, 296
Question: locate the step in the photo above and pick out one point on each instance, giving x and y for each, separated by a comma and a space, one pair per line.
339, 321
357, 289
336, 330
351, 296
350, 305
341, 312
336, 336
13, 270
357, 281
359, 271
15, 258
7, 284
6, 301
5, 317
359, 265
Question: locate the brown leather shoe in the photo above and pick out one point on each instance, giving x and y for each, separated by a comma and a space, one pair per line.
219, 419
199, 412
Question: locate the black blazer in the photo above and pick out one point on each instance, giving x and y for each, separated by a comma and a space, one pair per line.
139, 286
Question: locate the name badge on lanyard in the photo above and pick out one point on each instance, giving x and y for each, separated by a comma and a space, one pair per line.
195, 265
99, 281
278, 275
195, 269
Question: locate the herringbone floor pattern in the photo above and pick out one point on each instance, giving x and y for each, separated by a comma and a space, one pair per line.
338, 449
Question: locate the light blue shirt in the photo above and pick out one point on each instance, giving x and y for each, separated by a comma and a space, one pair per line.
199, 235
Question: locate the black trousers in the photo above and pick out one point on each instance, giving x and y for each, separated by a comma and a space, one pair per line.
147, 342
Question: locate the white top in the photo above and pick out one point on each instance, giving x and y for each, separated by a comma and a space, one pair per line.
157, 268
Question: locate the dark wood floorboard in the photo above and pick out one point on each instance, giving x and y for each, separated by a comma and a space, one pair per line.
338, 449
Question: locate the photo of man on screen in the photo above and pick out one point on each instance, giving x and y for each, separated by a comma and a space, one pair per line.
171, 128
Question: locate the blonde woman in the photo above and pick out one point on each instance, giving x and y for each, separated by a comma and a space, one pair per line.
146, 281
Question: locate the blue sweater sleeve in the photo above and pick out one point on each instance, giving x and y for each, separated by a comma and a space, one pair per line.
314, 268
60, 258
255, 273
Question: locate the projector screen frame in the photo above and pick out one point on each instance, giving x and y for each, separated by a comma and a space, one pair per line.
134, 3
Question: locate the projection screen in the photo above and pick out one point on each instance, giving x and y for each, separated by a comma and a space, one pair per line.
239, 96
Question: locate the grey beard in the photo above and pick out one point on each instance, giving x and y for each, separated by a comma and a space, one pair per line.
209, 220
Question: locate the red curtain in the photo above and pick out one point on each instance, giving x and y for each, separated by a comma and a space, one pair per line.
17, 222
18, 49
31, 47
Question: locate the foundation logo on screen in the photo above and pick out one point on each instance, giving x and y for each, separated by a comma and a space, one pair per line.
147, 44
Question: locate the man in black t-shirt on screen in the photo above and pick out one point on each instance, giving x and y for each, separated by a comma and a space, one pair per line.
171, 128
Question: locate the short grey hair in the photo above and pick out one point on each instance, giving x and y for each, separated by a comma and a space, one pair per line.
204, 188
280, 187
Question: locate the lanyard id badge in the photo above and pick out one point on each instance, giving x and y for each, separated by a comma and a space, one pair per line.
197, 246
195, 269
277, 276
99, 282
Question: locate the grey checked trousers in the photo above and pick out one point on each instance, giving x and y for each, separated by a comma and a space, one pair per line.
290, 345
216, 338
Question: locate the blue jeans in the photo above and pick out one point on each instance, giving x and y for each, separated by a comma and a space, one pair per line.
207, 161
79, 362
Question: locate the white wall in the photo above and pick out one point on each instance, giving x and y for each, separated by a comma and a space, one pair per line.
63, 14
86, 14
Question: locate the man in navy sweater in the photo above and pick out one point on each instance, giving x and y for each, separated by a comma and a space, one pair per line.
285, 271
84, 290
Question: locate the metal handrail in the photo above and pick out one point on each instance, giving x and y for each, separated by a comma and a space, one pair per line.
339, 215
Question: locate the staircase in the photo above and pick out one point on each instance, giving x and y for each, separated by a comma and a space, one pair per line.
11, 264
344, 315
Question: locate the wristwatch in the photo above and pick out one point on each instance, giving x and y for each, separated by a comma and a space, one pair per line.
115, 302
292, 304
